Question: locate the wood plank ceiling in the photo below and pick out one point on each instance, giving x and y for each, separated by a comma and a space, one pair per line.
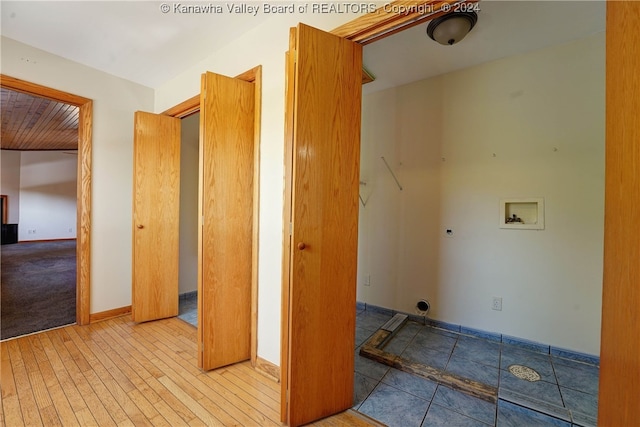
34, 123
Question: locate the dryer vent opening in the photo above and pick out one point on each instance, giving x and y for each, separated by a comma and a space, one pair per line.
422, 307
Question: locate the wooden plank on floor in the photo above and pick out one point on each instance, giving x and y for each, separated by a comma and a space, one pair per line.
371, 350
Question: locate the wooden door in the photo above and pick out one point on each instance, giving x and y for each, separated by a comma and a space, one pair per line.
319, 290
156, 209
226, 211
619, 393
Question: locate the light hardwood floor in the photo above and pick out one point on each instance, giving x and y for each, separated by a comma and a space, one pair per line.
117, 372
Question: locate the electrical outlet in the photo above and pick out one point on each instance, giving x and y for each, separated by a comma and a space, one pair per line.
497, 304
367, 280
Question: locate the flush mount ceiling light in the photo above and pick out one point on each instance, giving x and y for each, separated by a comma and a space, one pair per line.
449, 29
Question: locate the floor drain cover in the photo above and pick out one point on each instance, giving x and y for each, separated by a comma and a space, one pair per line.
524, 373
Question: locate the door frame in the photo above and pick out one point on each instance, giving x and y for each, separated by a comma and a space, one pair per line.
83, 178
192, 106
621, 275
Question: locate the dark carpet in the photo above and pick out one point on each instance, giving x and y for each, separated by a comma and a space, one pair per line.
38, 287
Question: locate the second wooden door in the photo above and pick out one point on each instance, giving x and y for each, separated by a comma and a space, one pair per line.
226, 215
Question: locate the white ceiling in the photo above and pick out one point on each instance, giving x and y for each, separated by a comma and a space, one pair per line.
130, 39
136, 41
504, 28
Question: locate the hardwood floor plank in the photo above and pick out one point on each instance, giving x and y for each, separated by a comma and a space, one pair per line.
205, 416
136, 375
59, 399
104, 389
26, 353
268, 407
172, 417
261, 378
183, 378
255, 410
28, 406
249, 401
242, 404
166, 399
105, 351
143, 404
86, 418
10, 404
12, 412
40, 391
253, 379
62, 407
73, 351
50, 416
62, 343
73, 397
110, 375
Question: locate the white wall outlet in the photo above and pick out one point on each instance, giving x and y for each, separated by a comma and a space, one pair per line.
367, 280
496, 304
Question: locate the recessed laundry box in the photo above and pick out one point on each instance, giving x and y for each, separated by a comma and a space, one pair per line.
522, 213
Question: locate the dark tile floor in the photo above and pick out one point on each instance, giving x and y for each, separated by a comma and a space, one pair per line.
566, 394
188, 308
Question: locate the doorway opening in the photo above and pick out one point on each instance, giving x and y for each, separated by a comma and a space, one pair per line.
436, 165
188, 265
83, 136
39, 243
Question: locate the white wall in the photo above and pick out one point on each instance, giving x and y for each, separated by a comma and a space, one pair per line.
189, 143
10, 183
48, 183
530, 125
265, 45
115, 101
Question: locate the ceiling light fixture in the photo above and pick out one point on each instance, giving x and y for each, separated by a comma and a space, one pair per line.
449, 29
